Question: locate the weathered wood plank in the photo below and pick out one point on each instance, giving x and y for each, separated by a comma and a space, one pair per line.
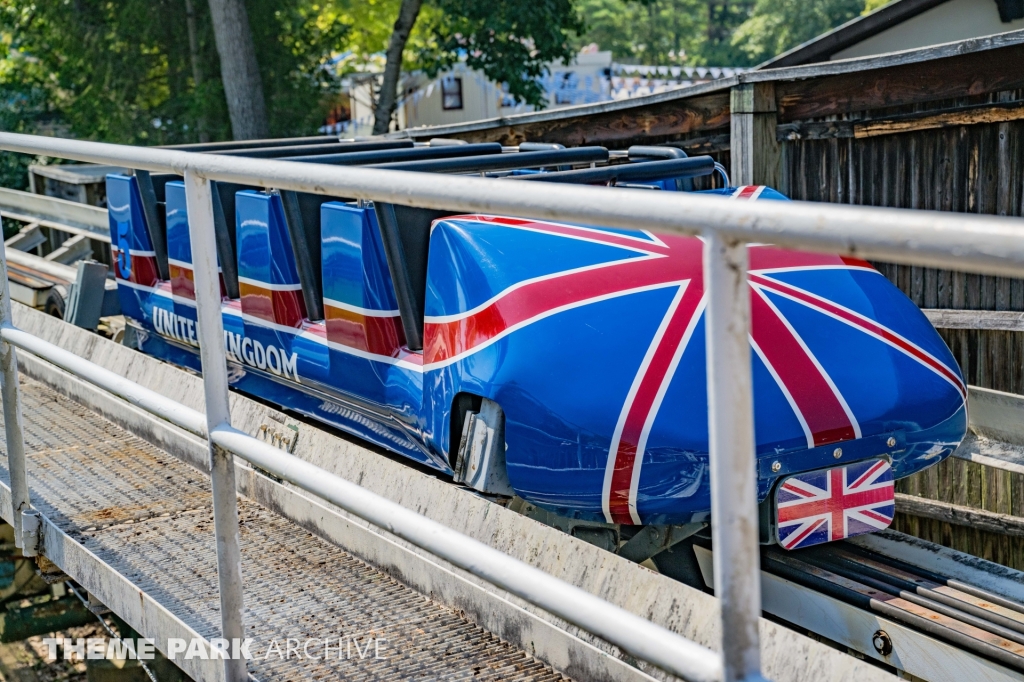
944, 78
616, 126
960, 515
930, 119
1003, 320
927, 74
972, 46
962, 490
998, 113
705, 144
755, 152
583, 111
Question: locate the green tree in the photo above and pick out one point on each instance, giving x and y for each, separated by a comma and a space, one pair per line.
510, 41
123, 70
779, 25
691, 32
723, 18
655, 32
296, 42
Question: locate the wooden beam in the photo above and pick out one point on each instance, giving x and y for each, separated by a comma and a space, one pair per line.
614, 126
814, 130
539, 119
756, 159
999, 417
946, 77
822, 48
999, 320
930, 53
958, 515
705, 144
922, 120
965, 116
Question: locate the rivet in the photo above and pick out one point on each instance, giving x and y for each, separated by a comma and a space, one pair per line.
776, 466
891, 442
882, 642
837, 453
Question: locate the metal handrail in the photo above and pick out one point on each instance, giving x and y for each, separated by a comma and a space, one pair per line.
638, 636
633, 634
983, 244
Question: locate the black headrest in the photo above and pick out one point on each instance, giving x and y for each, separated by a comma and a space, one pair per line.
153, 190
498, 162
390, 155
405, 231
302, 214
224, 231
317, 149
629, 172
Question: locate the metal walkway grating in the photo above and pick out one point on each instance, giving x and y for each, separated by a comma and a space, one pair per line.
149, 516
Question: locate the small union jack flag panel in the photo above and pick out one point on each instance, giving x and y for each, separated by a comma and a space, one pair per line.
833, 504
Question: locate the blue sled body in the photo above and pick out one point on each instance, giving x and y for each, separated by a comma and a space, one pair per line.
590, 340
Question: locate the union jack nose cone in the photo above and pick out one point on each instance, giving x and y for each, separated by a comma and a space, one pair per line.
842, 356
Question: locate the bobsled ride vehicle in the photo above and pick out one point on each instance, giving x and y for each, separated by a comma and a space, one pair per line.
561, 364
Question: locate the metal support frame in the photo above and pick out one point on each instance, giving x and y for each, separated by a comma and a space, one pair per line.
734, 529
199, 200
13, 425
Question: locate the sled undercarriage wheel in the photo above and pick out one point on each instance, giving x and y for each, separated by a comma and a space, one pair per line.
55, 302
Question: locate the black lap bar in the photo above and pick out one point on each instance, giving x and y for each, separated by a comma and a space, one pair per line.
251, 144
317, 149
510, 161
630, 172
393, 155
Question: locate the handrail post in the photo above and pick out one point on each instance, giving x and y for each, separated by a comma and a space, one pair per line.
734, 521
11, 393
199, 202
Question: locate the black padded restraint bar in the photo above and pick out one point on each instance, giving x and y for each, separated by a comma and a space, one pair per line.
317, 149
510, 161
252, 144
394, 155
631, 172
155, 223
412, 319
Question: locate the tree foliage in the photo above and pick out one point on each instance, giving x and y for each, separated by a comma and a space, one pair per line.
709, 32
690, 32
657, 32
120, 70
779, 25
510, 41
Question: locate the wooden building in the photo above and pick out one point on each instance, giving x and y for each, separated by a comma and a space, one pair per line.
936, 128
